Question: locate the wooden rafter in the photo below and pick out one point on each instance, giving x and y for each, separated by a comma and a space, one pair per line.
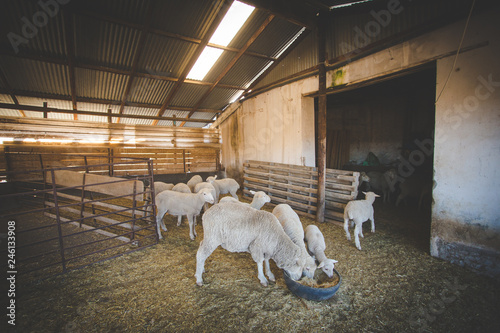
220, 15
231, 64
93, 113
70, 51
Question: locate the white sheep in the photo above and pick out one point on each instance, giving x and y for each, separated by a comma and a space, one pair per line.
260, 198
158, 187
178, 203
316, 246
290, 222
383, 182
201, 185
239, 228
223, 186
359, 211
182, 188
196, 179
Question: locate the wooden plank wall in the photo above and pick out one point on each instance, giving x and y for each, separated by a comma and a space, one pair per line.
173, 149
298, 187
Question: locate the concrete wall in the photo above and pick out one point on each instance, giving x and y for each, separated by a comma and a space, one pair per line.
278, 126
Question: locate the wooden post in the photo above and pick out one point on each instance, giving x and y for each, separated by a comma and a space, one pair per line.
110, 119
45, 114
321, 121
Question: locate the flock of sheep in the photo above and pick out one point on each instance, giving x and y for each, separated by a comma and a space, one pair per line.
242, 227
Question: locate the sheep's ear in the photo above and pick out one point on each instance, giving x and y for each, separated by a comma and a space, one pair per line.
364, 193
334, 261
321, 265
377, 196
252, 191
215, 177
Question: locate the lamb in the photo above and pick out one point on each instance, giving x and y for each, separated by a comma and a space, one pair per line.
239, 228
178, 203
359, 211
223, 186
201, 185
290, 222
383, 182
260, 198
196, 179
316, 246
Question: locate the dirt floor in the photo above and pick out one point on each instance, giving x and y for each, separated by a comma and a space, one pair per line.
392, 285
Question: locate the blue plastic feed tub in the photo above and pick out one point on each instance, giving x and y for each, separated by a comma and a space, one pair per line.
313, 293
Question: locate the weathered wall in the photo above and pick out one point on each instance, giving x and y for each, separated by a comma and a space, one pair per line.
276, 126
466, 213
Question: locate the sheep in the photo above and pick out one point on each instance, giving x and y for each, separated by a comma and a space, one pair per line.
178, 203
316, 246
260, 198
414, 187
359, 211
239, 228
159, 187
383, 182
290, 222
201, 185
193, 181
183, 188
223, 186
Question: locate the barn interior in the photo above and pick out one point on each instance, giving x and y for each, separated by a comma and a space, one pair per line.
309, 101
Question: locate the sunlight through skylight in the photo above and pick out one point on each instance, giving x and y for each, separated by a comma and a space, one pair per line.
227, 29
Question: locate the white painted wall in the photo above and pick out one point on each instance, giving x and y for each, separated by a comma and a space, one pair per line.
276, 126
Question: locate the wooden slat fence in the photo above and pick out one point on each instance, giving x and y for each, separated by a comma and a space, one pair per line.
165, 161
298, 187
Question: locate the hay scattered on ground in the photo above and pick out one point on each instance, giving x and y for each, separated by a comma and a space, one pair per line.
392, 285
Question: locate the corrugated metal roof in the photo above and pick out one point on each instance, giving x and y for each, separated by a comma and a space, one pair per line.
168, 56
130, 10
188, 95
150, 91
188, 18
8, 112
302, 57
51, 103
243, 72
218, 99
35, 76
98, 84
271, 43
105, 43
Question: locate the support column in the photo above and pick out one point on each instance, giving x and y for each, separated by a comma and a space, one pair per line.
321, 121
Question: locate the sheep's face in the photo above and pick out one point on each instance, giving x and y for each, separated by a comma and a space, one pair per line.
309, 267
262, 196
207, 195
295, 271
327, 266
363, 177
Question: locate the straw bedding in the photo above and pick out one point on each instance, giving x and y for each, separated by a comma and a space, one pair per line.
393, 284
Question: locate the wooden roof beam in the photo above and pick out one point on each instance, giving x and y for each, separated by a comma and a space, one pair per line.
70, 52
